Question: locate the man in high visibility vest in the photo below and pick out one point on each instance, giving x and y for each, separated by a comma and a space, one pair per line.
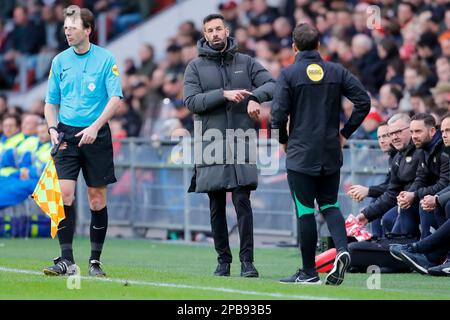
18, 186
12, 157
10, 139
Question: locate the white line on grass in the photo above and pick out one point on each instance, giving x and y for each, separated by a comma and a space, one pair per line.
183, 286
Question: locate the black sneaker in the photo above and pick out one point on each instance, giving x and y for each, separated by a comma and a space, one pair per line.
95, 269
442, 270
248, 270
395, 249
61, 267
336, 276
222, 270
301, 277
417, 261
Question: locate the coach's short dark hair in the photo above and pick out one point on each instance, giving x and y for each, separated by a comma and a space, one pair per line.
213, 16
86, 16
305, 37
427, 119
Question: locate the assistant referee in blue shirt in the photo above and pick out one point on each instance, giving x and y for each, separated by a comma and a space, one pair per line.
84, 91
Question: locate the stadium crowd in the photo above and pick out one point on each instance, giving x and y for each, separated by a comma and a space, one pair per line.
403, 61
33, 30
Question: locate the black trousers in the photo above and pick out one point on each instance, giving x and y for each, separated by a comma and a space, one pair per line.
324, 189
241, 202
437, 245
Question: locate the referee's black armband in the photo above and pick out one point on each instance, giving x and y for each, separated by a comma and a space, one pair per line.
56, 129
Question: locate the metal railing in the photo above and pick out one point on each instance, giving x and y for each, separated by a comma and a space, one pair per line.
151, 192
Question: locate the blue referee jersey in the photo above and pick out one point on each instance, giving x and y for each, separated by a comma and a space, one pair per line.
82, 84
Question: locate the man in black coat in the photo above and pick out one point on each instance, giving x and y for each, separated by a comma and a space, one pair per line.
310, 93
433, 172
403, 173
224, 90
439, 203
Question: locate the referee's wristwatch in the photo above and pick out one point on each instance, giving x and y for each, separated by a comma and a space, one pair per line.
54, 128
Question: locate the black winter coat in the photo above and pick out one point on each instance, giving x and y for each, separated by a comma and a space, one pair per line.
403, 174
378, 190
205, 80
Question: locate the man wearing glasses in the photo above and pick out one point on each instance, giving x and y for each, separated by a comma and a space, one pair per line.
358, 192
403, 174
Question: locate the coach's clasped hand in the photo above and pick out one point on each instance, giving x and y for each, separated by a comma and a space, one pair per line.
405, 199
428, 203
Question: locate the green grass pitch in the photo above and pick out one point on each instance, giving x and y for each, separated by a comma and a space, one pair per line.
142, 269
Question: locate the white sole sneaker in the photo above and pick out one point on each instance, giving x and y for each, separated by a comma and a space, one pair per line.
336, 276
395, 255
71, 271
413, 264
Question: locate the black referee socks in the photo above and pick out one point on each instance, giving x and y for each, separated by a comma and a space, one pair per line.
336, 226
99, 226
66, 230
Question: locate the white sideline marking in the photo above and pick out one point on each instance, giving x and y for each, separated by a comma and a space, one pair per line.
182, 286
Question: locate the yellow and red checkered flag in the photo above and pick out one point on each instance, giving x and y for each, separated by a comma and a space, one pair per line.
48, 197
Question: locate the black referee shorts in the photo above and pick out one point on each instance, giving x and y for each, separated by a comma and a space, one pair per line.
95, 160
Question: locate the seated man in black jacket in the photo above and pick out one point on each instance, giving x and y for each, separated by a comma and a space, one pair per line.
358, 192
403, 174
439, 203
433, 172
